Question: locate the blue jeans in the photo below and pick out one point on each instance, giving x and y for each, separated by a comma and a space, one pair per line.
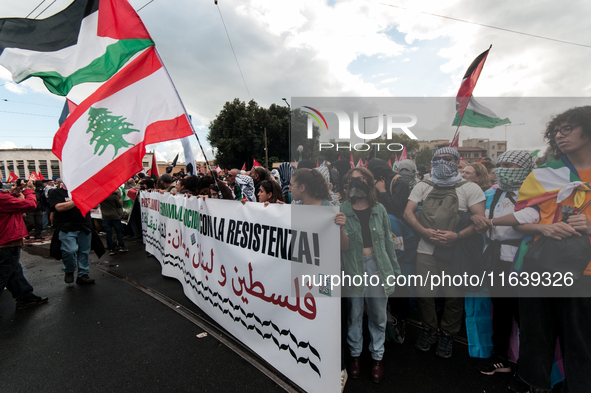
375, 302
75, 249
11, 274
109, 225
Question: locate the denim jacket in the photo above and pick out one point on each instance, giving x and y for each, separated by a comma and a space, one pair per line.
383, 245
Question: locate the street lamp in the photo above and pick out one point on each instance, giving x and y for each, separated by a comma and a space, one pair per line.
289, 129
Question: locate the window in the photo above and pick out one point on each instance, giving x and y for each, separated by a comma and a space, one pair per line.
43, 168
20, 166
31, 166
55, 169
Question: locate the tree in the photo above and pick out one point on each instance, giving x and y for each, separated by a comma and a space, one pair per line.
238, 133
424, 157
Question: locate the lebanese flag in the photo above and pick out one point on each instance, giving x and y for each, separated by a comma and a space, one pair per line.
12, 177
102, 143
218, 169
255, 162
403, 156
469, 83
243, 167
89, 41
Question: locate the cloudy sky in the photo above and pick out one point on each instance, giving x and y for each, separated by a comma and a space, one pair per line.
350, 48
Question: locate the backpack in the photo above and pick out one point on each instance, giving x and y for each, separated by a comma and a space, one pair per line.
440, 208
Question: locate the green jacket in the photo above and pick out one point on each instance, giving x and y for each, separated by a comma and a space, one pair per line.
383, 245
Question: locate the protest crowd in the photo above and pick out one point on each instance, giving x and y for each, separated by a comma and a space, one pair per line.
452, 217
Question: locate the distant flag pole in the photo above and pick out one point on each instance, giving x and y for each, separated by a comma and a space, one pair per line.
456, 141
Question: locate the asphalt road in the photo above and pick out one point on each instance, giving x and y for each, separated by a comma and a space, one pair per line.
134, 330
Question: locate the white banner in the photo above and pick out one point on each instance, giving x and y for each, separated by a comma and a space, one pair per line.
243, 266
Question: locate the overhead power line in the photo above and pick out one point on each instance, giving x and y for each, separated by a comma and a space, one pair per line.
231, 46
482, 24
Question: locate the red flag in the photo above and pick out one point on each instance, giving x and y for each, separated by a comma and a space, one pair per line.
403, 156
351, 162
12, 177
456, 141
153, 172
244, 166
218, 169
360, 163
255, 162
33, 176
339, 157
317, 165
390, 163
469, 82
40, 176
480, 159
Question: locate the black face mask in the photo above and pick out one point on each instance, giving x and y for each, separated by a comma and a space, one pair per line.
358, 189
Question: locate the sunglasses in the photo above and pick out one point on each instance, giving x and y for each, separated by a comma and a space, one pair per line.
444, 158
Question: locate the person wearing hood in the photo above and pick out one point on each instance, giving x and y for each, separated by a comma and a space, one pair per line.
393, 190
437, 226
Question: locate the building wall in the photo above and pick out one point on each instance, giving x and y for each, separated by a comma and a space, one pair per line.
24, 161
493, 148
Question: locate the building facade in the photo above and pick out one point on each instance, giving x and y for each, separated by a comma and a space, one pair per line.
493, 148
25, 161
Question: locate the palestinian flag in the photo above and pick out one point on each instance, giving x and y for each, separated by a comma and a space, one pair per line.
469, 112
69, 107
89, 41
244, 166
102, 143
153, 171
479, 116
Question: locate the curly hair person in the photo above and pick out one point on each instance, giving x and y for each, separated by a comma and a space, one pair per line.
579, 116
316, 186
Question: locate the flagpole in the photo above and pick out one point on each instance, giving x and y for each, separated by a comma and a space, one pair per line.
190, 123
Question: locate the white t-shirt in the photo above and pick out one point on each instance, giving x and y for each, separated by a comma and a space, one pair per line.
469, 194
529, 215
